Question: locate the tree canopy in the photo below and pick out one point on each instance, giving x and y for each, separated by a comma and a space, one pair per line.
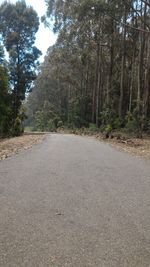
18, 26
99, 70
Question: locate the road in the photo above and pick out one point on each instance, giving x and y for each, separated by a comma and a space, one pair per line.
74, 201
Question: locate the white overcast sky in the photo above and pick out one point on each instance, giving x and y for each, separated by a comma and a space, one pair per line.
45, 37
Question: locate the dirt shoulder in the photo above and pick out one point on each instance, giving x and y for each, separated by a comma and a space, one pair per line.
135, 146
127, 143
10, 146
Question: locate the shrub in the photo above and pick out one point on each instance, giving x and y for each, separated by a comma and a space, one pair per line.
107, 116
108, 129
39, 120
131, 126
17, 128
51, 126
134, 122
117, 123
92, 127
59, 124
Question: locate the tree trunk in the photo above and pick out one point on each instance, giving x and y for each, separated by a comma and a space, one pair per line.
147, 73
109, 87
95, 116
131, 86
147, 80
122, 67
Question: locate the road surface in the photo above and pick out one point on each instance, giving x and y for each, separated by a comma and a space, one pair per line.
74, 201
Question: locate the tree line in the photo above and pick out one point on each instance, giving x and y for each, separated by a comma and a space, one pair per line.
98, 72
96, 75
18, 63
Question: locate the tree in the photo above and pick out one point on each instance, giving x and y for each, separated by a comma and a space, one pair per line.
5, 98
18, 26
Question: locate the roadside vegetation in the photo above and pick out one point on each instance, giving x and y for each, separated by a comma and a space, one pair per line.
96, 77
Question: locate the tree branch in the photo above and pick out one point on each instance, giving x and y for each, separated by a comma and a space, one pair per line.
129, 26
133, 9
145, 2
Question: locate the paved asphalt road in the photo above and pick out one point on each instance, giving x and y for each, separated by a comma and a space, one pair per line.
73, 201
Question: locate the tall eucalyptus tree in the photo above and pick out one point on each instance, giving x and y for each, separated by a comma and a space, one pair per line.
18, 26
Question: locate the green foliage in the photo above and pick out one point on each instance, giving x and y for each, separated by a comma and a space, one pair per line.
108, 129
108, 117
78, 112
93, 127
44, 124
22, 113
51, 126
39, 121
5, 104
74, 113
18, 26
131, 126
134, 122
60, 124
28, 129
17, 127
118, 123
148, 126
47, 119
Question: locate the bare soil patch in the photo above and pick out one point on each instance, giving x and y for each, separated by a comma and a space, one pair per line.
10, 146
135, 146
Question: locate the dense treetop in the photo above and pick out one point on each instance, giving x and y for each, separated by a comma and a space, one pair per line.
99, 69
18, 26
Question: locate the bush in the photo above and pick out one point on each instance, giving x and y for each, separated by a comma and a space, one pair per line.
117, 123
59, 124
107, 116
51, 126
17, 128
92, 127
134, 122
131, 126
39, 120
108, 129
148, 126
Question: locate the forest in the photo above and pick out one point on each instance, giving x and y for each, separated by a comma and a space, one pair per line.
96, 76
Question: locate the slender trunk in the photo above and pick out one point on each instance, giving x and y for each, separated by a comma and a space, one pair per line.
131, 88
99, 51
140, 63
98, 93
93, 102
147, 80
97, 80
122, 67
139, 75
147, 73
68, 111
109, 86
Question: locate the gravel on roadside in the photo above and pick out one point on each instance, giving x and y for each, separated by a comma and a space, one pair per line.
10, 146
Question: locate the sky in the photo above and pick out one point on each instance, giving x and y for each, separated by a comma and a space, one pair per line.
45, 37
